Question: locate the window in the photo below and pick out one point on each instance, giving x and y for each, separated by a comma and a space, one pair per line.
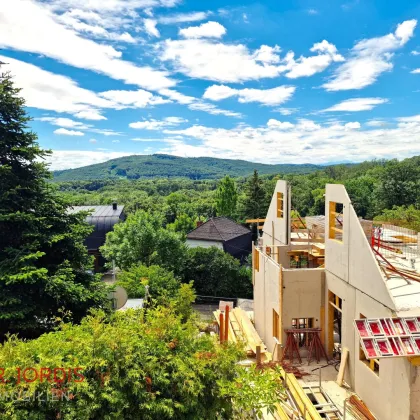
256, 259
276, 326
335, 228
280, 205
372, 364
335, 310
298, 323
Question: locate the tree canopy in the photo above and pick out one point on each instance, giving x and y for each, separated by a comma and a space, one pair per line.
226, 197
43, 262
142, 239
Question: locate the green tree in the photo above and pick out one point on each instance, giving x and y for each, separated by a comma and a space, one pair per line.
133, 365
216, 273
141, 239
43, 262
183, 224
226, 197
400, 184
405, 216
162, 283
254, 202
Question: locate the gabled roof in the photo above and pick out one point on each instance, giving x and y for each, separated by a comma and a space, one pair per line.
219, 229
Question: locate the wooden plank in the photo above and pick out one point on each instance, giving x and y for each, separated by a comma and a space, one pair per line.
302, 400
255, 221
249, 330
337, 229
343, 363
322, 319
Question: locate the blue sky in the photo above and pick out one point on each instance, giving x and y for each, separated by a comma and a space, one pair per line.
274, 82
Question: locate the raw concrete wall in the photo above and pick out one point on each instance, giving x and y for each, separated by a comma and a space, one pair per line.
266, 298
352, 259
388, 394
352, 273
276, 231
302, 296
415, 393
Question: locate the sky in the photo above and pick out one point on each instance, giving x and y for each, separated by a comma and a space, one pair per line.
292, 81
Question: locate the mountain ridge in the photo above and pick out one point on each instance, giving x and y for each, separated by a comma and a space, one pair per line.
170, 166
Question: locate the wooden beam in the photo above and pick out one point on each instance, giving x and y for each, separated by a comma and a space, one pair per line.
330, 348
343, 363
255, 220
322, 324
280, 346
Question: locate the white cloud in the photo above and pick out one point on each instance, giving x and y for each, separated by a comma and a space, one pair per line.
177, 96
29, 26
357, 104
115, 141
206, 59
416, 71
203, 59
157, 124
412, 119
67, 159
92, 24
65, 122
376, 123
106, 132
150, 27
307, 141
312, 12
352, 125
45, 90
267, 55
139, 139
274, 96
132, 98
308, 66
286, 111
92, 114
183, 17
369, 58
205, 30
415, 52
65, 132
272, 123
213, 110
93, 141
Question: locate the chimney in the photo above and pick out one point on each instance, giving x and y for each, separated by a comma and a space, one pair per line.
114, 205
199, 223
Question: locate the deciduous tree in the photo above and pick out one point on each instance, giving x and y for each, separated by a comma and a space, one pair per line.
226, 197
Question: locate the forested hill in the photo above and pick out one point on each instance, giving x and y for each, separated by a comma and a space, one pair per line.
154, 166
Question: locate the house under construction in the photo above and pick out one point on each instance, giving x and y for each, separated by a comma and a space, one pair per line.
353, 283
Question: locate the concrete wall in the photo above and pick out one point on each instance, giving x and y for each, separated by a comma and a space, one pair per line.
352, 259
276, 230
415, 393
388, 394
194, 243
266, 298
352, 273
302, 296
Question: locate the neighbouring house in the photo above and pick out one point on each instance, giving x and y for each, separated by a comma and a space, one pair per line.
223, 233
103, 218
328, 271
